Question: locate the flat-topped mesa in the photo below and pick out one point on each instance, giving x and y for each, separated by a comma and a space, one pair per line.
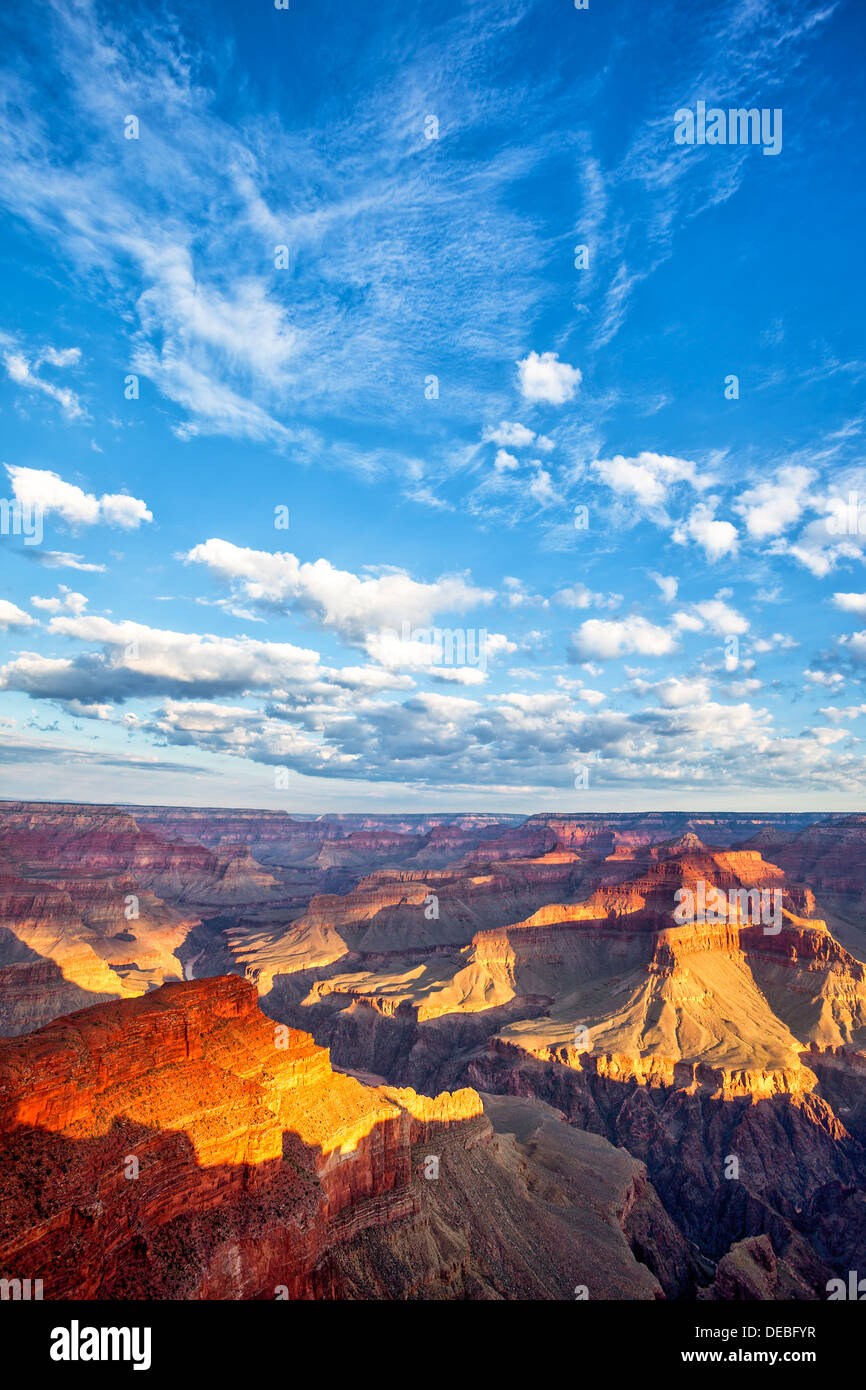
657, 898
660, 1072
400, 911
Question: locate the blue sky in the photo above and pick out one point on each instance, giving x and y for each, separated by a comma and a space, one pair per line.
339, 260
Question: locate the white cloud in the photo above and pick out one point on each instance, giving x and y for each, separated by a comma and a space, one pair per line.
675, 692
67, 559
716, 538
743, 689
505, 462
579, 596
66, 600
830, 679
13, 616
43, 490
518, 596
715, 614
544, 378
24, 372
512, 435
771, 507
356, 608
668, 585
136, 660
838, 534
60, 357
541, 488
603, 638
851, 603
779, 641
647, 478
840, 712
458, 675
438, 651
855, 643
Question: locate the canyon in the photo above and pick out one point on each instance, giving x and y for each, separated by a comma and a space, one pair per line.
284, 1021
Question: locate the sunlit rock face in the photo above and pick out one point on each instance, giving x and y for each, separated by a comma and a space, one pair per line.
688, 989
685, 999
181, 1145
92, 907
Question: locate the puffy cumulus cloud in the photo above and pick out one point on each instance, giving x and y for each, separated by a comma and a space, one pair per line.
250, 734
604, 638
716, 538
505, 462
137, 661
773, 506
826, 737
839, 713
44, 491
24, 371
544, 378
79, 710
518, 596
66, 600
447, 654
356, 608
457, 675
741, 690
364, 678
430, 739
712, 613
721, 727
510, 434
11, 616
819, 552
675, 692
579, 596
838, 534
646, 479
831, 680
519, 740
541, 487
777, 641
851, 603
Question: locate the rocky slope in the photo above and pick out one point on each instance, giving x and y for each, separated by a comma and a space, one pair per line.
179, 1146
687, 1042
43, 840
92, 907
686, 988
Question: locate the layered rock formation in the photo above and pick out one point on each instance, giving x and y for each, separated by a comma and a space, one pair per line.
328, 842
733, 1036
93, 908
688, 989
181, 1146
44, 840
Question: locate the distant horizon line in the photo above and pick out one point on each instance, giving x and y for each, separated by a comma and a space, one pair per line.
415, 815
